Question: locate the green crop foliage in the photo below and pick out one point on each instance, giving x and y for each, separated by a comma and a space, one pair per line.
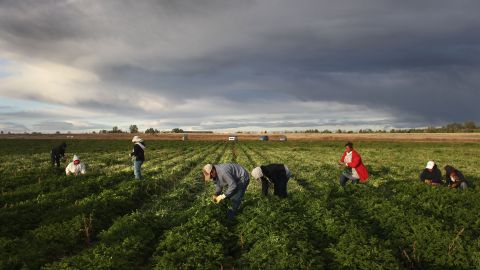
107, 220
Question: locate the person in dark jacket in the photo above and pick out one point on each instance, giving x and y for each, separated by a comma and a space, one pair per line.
454, 178
431, 174
232, 177
58, 153
138, 156
276, 174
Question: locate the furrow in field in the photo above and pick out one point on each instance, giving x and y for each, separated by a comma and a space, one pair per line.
129, 242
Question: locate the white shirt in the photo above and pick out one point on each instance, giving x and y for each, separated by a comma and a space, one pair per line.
348, 159
75, 169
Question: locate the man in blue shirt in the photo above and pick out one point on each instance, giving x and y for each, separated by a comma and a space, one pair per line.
231, 177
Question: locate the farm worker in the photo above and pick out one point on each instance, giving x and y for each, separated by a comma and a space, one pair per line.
276, 174
58, 153
138, 156
454, 178
231, 176
75, 167
354, 168
431, 174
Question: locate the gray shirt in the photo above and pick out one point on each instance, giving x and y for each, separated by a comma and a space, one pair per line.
232, 176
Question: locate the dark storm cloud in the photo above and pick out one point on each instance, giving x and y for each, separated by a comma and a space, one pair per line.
417, 60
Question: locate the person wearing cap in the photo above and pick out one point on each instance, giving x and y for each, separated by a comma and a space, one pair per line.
58, 153
454, 178
231, 181
75, 167
276, 174
138, 156
431, 174
353, 165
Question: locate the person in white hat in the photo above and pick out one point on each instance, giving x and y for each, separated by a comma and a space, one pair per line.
232, 177
138, 156
276, 174
431, 174
75, 167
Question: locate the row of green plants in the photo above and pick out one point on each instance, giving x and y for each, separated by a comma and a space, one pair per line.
45, 207
169, 222
75, 221
393, 221
203, 240
128, 243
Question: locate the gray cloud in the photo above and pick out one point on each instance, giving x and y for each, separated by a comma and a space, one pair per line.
419, 62
51, 126
7, 126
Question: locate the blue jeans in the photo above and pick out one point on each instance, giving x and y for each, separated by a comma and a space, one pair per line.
237, 197
136, 169
345, 177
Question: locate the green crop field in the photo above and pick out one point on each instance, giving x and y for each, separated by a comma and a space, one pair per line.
107, 220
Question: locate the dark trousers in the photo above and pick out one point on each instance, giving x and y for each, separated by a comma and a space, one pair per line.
345, 177
280, 188
55, 159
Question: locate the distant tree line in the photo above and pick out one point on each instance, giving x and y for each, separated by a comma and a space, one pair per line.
467, 127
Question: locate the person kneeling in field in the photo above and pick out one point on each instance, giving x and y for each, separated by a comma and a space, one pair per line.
454, 178
231, 176
431, 174
75, 167
276, 174
354, 168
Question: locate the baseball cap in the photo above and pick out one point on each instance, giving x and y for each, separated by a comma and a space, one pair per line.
257, 173
207, 169
430, 164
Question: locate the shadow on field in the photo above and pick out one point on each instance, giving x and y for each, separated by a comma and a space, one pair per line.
378, 172
304, 184
472, 180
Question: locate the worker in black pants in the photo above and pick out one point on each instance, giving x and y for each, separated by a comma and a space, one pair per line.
58, 153
276, 174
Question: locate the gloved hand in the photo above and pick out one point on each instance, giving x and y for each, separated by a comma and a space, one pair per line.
219, 198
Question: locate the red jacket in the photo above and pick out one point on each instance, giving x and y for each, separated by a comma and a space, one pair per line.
357, 164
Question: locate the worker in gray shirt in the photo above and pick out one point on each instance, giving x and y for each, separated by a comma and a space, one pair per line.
232, 177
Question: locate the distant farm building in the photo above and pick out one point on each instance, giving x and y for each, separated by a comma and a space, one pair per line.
233, 138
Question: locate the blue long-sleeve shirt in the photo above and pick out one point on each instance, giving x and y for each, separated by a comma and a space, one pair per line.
230, 175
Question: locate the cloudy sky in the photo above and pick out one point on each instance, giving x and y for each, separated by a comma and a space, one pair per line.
80, 65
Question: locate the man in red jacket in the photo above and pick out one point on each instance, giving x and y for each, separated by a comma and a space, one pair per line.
354, 168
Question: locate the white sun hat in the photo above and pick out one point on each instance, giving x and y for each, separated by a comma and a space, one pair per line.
137, 139
430, 164
257, 173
